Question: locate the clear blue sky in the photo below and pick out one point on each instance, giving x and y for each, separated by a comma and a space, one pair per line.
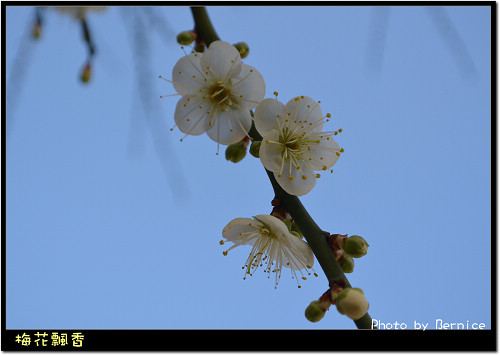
113, 223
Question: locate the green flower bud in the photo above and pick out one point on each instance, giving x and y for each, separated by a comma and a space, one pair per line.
347, 264
356, 246
254, 148
243, 48
333, 296
37, 29
236, 152
86, 73
314, 312
352, 303
186, 37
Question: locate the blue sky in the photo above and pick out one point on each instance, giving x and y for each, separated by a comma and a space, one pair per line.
112, 222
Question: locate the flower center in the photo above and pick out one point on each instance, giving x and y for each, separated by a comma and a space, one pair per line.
265, 231
220, 94
292, 145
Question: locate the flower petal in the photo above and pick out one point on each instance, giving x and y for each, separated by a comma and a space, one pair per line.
239, 231
303, 108
277, 225
272, 245
266, 115
248, 87
230, 126
221, 60
324, 155
191, 115
187, 75
295, 181
298, 254
270, 151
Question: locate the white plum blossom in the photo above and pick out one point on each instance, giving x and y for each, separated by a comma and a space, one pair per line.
217, 91
294, 145
272, 245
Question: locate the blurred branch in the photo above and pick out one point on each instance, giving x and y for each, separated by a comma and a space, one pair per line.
159, 23
18, 70
87, 37
139, 41
379, 22
316, 238
454, 41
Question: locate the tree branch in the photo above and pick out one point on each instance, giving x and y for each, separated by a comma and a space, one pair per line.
315, 236
203, 25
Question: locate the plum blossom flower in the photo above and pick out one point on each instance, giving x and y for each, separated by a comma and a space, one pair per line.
272, 245
294, 145
217, 91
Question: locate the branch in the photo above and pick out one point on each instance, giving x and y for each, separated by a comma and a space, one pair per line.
203, 25
315, 236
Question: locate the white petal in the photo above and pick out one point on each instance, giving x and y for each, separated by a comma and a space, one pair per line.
266, 115
222, 60
270, 153
248, 87
324, 154
187, 76
191, 115
303, 108
277, 226
239, 230
303, 180
230, 127
295, 252
300, 254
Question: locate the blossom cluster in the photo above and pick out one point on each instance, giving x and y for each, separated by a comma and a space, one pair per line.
218, 93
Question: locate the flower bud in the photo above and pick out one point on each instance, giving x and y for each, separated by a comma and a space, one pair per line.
352, 303
86, 73
37, 29
356, 246
186, 37
236, 152
314, 312
243, 48
254, 148
347, 264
